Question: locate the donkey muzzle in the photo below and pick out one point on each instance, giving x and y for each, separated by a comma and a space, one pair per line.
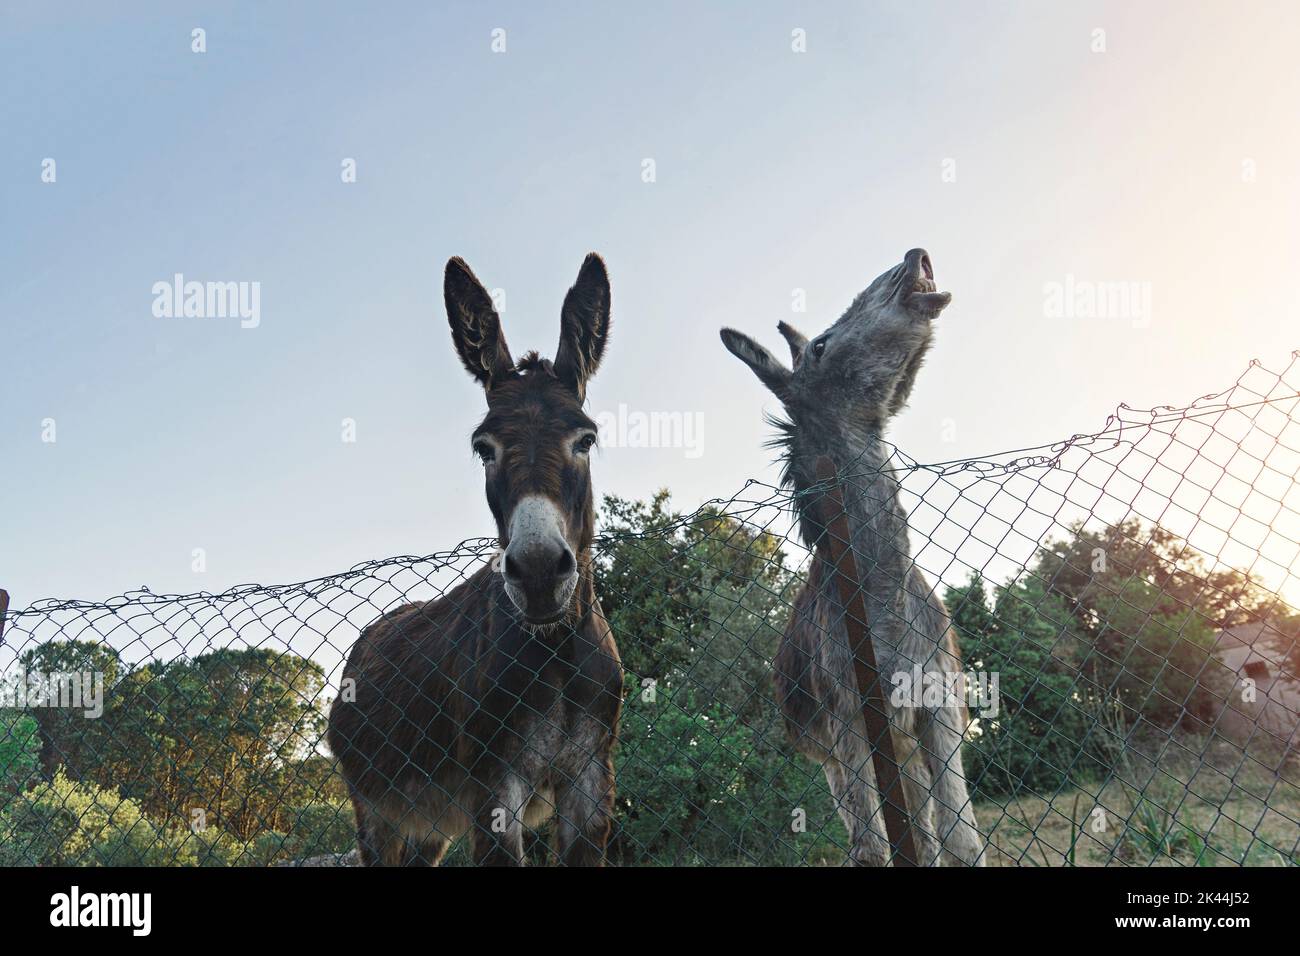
539, 567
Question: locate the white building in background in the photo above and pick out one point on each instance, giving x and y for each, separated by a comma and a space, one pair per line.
1263, 664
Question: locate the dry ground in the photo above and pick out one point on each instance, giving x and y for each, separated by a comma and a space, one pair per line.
1215, 807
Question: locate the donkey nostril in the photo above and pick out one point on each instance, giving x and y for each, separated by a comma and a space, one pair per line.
511, 568
564, 564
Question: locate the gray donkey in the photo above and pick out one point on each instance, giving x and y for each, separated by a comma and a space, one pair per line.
845, 386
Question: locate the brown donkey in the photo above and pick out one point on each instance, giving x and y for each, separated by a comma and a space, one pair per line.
497, 705
844, 387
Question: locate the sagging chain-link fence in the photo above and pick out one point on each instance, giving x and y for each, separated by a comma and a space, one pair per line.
1124, 604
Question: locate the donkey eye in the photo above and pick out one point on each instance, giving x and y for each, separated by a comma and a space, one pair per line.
486, 453
818, 348
583, 444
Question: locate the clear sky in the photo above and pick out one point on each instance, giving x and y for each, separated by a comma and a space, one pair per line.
1026, 150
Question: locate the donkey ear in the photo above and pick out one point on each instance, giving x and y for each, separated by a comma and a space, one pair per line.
769, 371
475, 325
584, 326
795, 339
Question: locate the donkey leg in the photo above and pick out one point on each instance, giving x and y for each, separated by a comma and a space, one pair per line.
427, 852
585, 811
918, 788
379, 842
954, 812
854, 789
498, 832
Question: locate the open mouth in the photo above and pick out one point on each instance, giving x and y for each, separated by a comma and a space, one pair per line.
920, 270
921, 292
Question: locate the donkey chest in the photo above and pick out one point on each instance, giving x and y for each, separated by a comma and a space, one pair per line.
546, 706
557, 743
814, 664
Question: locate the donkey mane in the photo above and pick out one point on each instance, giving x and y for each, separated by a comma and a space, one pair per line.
533, 362
797, 465
783, 443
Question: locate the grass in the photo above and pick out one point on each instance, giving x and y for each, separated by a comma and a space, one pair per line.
1185, 808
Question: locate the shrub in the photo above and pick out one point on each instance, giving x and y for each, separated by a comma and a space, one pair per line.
66, 823
20, 753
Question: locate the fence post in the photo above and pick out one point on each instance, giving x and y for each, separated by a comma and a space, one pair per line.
4, 608
838, 546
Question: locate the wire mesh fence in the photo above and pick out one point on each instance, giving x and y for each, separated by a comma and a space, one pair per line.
1126, 691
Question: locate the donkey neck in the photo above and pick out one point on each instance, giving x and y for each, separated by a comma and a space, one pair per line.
870, 490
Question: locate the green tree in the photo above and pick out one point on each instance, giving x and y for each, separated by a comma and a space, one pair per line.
705, 772
223, 734
1093, 565
20, 752
1119, 622
69, 738
1155, 659
1027, 637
